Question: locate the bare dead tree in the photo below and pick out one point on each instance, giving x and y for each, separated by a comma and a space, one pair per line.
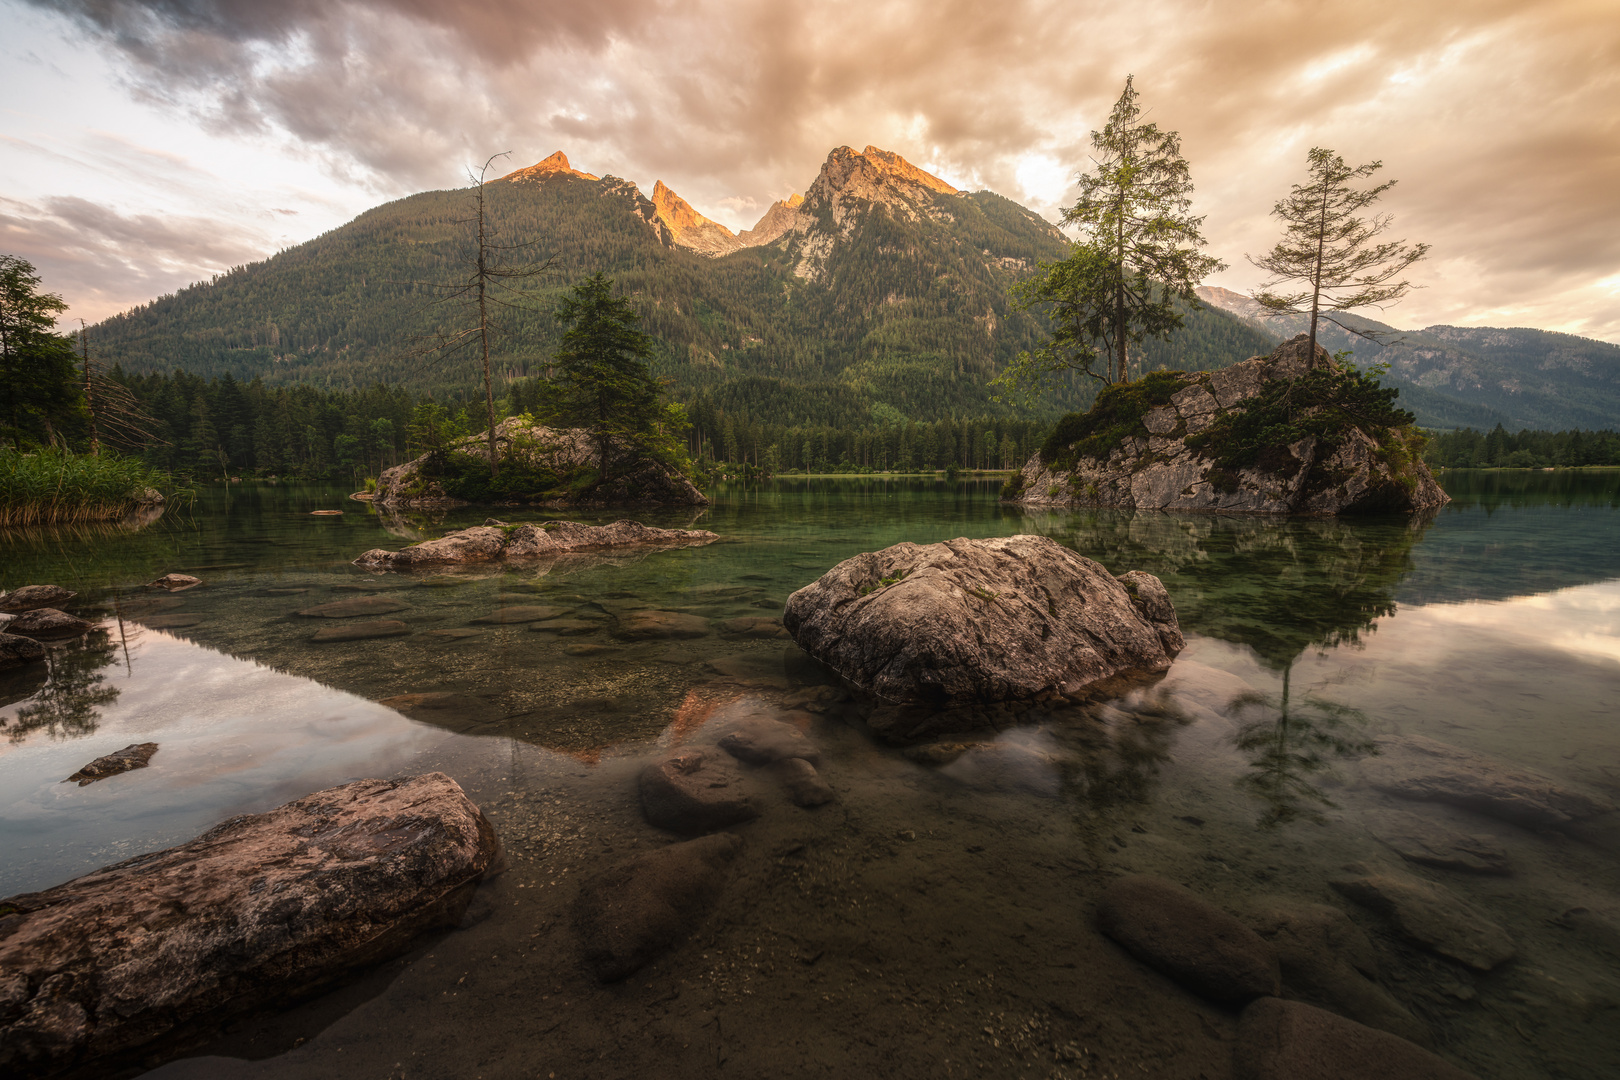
111, 405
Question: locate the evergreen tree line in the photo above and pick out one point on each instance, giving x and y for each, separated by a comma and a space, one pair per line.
1467, 448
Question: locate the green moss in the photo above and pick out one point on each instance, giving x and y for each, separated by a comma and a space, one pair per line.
1115, 417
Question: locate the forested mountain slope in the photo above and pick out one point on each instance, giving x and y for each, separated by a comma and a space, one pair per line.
881, 294
1455, 376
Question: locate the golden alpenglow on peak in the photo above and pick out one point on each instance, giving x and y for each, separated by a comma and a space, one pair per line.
555, 165
779, 219
890, 162
690, 228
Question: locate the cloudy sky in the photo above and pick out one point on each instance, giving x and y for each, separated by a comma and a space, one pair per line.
145, 145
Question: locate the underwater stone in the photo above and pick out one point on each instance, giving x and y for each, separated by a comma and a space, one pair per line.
1432, 916
695, 791
365, 631
172, 944
1289, 1040
982, 621
523, 613
174, 582
360, 605
170, 622
802, 782
133, 756
759, 740
642, 625
30, 597
1427, 770
631, 912
1429, 843
1190, 940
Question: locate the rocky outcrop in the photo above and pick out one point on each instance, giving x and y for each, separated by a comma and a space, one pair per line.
32, 597
545, 169
782, 217
1419, 768
137, 956
1190, 940
982, 620
133, 756
1288, 1040
488, 543
690, 228
557, 452
1152, 466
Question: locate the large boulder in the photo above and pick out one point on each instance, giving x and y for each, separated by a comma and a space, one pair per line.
30, 597
16, 650
1151, 465
149, 952
1189, 939
1289, 1040
982, 620
488, 543
562, 453
47, 624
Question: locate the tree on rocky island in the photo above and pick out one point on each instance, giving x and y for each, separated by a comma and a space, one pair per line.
37, 365
1328, 248
1139, 256
601, 381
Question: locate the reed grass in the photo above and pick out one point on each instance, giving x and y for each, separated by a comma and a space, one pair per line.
48, 487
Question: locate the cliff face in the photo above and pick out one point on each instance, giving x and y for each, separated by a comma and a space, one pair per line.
1157, 453
690, 228
555, 165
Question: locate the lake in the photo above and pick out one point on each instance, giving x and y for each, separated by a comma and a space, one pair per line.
938, 918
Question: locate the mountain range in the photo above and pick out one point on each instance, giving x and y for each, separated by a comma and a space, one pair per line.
1463, 376
879, 294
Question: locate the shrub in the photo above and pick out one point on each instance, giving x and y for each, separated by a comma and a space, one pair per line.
1116, 416
1322, 403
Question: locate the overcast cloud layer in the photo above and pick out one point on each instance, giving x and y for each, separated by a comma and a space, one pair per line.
1501, 120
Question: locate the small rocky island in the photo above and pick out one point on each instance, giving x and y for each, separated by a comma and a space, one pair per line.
1289, 433
539, 466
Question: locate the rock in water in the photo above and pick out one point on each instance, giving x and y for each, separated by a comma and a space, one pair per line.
133, 756
1193, 942
174, 582
1288, 1040
802, 782
348, 609
48, 623
16, 650
760, 740
486, 543
982, 620
1153, 468
1432, 916
363, 631
645, 625
30, 597
1414, 767
631, 912
259, 908
695, 791
1429, 843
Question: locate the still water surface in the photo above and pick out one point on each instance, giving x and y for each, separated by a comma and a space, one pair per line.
937, 918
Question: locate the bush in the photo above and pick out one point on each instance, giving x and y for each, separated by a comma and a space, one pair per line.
1116, 416
49, 486
1322, 403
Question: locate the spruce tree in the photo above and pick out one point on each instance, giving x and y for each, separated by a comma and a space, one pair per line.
1330, 251
38, 369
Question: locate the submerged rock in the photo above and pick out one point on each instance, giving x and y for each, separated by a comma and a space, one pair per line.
1190, 940
1154, 468
1289, 1040
16, 650
1419, 768
133, 756
170, 622
802, 782
363, 631
48, 623
695, 791
30, 597
1432, 916
982, 620
174, 582
1429, 843
645, 625
348, 609
629, 913
486, 543
521, 613
759, 740
120, 962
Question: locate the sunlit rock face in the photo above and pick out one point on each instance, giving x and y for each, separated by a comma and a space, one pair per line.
261, 907
1155, 468
555, 165
690, 228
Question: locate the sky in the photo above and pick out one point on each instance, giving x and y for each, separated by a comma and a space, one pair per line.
146, 145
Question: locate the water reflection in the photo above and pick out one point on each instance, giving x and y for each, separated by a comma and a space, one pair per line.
68, 705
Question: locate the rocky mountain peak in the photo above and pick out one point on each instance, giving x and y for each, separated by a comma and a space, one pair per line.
555, 165
689, 228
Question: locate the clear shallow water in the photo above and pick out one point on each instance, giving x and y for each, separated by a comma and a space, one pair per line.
937, 919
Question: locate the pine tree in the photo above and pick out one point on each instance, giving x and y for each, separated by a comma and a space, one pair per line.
38, 369
1328, 248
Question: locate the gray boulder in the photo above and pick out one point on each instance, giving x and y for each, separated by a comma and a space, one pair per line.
1154, 468
695, 791
30, 597
112, 967
982, 620
48, 623
1289, 1040
133, 756
1190, 940
1432, 916
628, 914
1415, 767
16, 650
488, 543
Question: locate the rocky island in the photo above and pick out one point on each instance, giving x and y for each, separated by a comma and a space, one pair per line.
1289, 433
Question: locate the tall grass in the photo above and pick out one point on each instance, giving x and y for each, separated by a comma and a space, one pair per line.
45, 487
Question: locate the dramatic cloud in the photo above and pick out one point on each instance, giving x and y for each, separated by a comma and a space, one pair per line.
1500, 119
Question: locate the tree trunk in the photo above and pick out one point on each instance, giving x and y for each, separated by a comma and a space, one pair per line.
483, 333
89, 395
